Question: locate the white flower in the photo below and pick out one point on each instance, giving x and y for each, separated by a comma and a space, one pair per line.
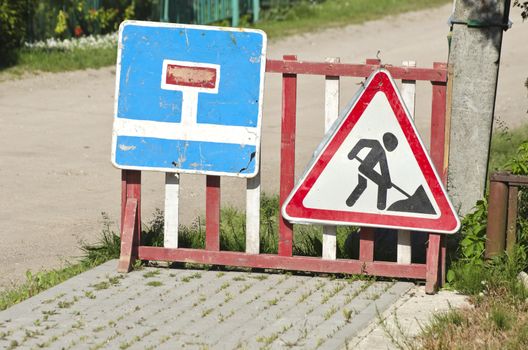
92, 41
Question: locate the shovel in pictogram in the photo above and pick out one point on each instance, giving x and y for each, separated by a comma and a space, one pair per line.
418, 202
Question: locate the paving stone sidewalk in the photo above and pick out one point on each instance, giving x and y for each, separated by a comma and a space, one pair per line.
162, 308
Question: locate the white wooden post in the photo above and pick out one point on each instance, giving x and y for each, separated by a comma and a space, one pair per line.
331, 114
172, 198
408, 95
253, 215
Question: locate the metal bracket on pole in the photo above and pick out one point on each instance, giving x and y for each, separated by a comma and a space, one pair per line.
476, 23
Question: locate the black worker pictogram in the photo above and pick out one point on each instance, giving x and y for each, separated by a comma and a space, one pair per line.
418, 202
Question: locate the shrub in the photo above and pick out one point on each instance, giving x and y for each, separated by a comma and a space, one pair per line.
13, 17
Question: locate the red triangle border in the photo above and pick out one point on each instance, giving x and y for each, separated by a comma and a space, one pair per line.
294, 210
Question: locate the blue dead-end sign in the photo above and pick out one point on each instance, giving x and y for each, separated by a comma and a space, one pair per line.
188, 99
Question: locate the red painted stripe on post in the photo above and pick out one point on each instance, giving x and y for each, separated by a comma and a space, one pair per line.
203, 77
437, 265
298, 263
353, 70
287, 163
212, 213
366, 243
438, 125
123, 196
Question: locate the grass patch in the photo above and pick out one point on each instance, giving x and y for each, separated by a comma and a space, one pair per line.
105, 248
38, 282
40, 60
498, 317
504, 144
498, 321
306, 16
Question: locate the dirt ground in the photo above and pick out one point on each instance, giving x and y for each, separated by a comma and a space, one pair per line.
56, 129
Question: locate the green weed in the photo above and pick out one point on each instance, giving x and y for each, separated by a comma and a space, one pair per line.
187, 279
269, 339
501, 318
151, 273
304, 296
228, 297
259, 277
12, 345
98, 329
101, 285
330, 312
223, 286
154, 283
64, 304
207, 312
347, 314
244, 288
273, 302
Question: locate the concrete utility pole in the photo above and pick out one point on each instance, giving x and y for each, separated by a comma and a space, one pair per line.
477, 27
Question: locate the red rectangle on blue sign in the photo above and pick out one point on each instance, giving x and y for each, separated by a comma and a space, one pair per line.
203, 77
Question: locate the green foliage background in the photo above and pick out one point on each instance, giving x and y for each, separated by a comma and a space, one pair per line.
12, 28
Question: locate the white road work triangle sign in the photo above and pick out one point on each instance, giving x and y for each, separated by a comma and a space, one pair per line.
372, 169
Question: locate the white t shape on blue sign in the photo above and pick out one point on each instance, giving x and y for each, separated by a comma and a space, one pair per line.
188, 99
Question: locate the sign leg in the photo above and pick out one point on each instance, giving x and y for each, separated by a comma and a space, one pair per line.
130, 218
433, 255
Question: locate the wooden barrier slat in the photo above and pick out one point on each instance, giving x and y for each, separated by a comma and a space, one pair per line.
300, 263
366, 244
171, 222
408, 91
512, 180
367, 235
287, 162
253, 215
331, 115
511, 223
438, 125
353, 70
212, 213
436, 251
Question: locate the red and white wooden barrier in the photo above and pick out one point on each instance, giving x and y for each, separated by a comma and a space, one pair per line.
290, 68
